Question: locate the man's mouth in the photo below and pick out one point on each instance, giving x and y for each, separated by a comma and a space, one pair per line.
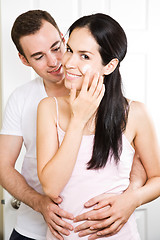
55, 70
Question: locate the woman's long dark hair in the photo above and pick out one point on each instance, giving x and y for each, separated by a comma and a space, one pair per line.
112, 113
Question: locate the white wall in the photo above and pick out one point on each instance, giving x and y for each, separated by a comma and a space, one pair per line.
140, 69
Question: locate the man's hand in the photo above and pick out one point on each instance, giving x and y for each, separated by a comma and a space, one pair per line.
53, 214
108, 216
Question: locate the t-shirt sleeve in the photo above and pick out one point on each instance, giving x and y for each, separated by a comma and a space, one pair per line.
12, 116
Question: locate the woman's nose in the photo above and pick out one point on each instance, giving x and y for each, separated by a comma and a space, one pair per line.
71, 62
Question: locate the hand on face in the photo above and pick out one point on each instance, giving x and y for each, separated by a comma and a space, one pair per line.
86, 102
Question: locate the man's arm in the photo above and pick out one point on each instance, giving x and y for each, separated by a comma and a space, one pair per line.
138, 176
16, 185
111, 211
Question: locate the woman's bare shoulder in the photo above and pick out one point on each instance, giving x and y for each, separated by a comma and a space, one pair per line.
140, 116
138, 109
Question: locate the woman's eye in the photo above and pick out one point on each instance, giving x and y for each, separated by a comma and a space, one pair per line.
68, 49
84, 56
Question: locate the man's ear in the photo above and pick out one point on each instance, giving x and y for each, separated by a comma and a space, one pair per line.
111, 66
23, 60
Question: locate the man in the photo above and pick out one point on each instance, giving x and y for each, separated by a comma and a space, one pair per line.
40, 46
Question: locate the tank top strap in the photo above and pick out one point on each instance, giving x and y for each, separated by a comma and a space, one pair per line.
56, 109
129, 103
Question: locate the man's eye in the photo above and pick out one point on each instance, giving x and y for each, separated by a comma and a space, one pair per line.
56, 49
84, 56
38, 58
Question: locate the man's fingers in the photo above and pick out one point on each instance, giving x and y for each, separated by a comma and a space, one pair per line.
57, 200
59, 229
57, 220
60, 212
55, 233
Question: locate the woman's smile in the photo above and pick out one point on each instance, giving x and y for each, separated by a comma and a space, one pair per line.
72, 76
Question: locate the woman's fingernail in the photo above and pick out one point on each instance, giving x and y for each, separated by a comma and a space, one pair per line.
87, 204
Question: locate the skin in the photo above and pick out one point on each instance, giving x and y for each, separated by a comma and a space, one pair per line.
38, 45
76, 111
45, 59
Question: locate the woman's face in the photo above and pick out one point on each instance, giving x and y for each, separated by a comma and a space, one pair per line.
82, 55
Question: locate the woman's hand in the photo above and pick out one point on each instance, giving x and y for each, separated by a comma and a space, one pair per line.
111, 212
85, 104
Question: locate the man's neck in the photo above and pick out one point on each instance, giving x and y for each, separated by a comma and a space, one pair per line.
55, 89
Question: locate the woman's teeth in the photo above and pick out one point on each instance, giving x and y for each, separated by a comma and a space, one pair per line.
72, 75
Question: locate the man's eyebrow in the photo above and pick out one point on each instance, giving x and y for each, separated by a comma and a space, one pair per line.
40, 53
54, 44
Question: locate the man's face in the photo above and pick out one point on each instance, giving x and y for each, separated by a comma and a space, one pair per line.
44, 51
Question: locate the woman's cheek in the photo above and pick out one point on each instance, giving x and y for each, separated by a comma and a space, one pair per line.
86, 68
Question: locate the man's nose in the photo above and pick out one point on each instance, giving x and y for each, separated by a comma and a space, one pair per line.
51, 60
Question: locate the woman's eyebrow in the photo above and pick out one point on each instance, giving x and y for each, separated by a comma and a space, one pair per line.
81, 51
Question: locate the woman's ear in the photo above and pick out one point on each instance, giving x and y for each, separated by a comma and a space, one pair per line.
23, 59
111, 66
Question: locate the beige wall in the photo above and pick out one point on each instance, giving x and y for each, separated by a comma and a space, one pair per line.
1, 192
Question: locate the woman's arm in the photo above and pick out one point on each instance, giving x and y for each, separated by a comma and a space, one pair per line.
56, 163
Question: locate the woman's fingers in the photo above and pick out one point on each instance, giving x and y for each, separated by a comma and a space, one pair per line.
85, 83
96, 86
111, 230
101, 93
91, 202
72, 94
94, 82
102, 203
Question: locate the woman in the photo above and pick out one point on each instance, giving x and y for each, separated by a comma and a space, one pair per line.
86, 141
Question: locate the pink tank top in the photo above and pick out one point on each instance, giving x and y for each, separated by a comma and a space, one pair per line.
85, 184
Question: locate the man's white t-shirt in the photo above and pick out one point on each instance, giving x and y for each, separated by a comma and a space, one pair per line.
20, 119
